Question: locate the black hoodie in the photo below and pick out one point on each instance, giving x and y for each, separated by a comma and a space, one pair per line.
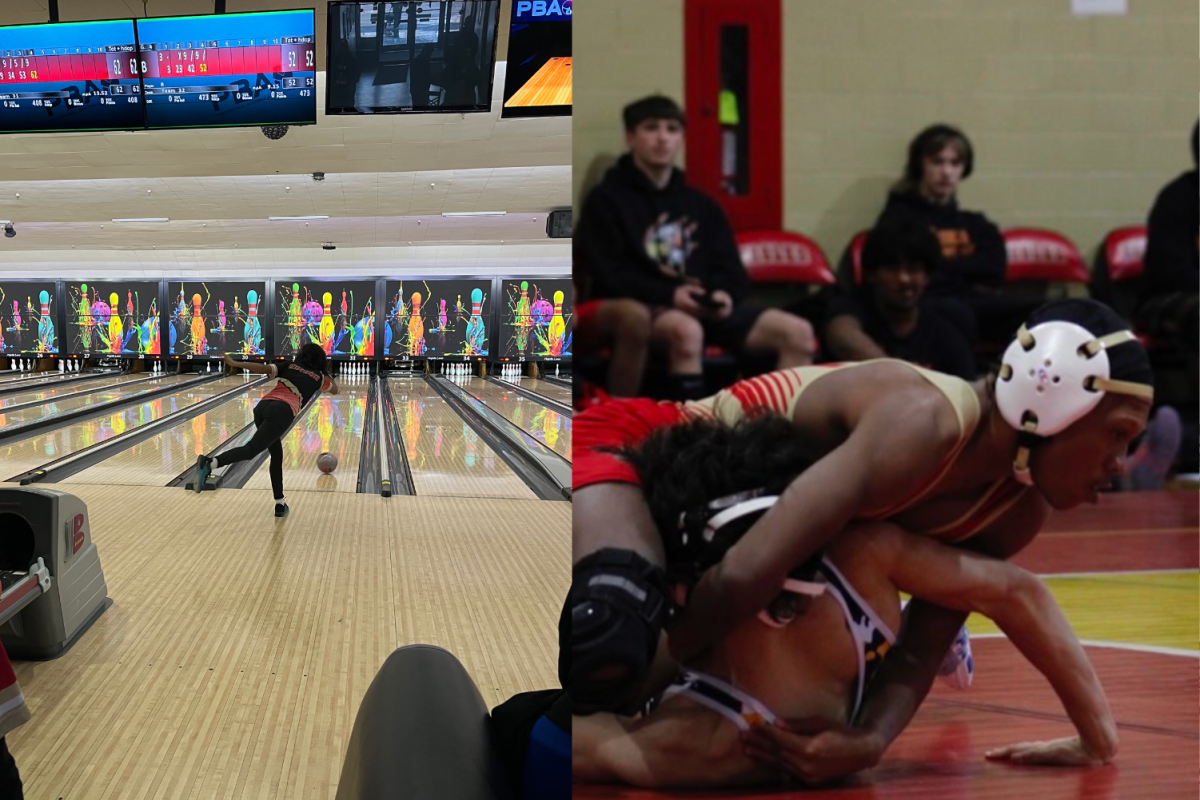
1174, 228
636, 240
972, 249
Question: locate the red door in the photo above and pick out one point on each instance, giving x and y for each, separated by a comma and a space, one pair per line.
733, 63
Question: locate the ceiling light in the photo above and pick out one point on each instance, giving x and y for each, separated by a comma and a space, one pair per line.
474, 213
310, 216
145, 219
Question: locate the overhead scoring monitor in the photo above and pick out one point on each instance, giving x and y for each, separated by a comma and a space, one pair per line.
229, 70
78, 76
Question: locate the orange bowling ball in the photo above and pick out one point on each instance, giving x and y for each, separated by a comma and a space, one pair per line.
327, 462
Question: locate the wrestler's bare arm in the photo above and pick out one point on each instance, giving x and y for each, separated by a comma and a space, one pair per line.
895, 440
1019, 603
907, 674
680, 745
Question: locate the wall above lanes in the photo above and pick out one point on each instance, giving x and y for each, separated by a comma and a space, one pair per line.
525, 258
380, 143
525, 190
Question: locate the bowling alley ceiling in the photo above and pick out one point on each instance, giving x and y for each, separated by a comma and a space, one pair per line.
388, 178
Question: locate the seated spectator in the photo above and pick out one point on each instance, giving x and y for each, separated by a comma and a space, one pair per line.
967, 289
1168, 306
644, 234
888, 317
622, 325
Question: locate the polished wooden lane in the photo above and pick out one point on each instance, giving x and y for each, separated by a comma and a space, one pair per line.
89, 397
57, 389
238, 648
39, 377
332, 424
555, 391
157, 460
549, 86
446, 455
31, 452
541, 422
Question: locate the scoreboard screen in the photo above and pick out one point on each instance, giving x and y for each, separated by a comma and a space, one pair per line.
538, 78
437, 319
28, 311
338, 315
77, 76
535, 319
216, 318
229, 70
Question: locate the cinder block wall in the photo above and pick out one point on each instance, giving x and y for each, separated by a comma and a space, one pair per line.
1077, 122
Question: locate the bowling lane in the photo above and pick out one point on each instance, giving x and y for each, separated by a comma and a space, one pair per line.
34, 378
56, 390
333, 424
33, 451
76, 401
157, 460
444, 453
542, 423
555, 391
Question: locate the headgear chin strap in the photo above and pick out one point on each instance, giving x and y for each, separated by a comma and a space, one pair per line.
1051, 377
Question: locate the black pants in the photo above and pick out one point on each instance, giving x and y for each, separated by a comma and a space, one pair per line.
271, 418
1174, 316
10, 777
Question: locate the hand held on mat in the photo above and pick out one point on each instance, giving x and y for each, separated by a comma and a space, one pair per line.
812, 749
1068, 752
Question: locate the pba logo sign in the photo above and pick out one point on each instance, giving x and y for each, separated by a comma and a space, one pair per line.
77, 537
542, 10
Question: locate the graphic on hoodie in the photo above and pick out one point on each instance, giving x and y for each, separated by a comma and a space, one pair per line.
639, 240
669, 242
972, 248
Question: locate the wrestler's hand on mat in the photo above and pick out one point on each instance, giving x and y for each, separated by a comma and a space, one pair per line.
1068, 752
813, 749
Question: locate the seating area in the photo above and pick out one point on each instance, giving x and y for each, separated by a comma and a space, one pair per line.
790, 270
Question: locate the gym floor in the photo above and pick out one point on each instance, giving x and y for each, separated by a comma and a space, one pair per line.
1126, 574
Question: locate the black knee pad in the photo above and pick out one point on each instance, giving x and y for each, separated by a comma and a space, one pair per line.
618, 604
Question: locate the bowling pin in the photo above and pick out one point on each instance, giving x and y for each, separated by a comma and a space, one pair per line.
556, 370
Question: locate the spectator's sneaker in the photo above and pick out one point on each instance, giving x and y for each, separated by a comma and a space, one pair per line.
958, 667
1152, 460
281, 509
203, 470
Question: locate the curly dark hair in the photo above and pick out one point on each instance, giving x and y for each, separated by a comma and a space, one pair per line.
312, 356
683, 468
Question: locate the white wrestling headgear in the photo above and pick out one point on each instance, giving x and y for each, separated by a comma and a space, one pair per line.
1052, 376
